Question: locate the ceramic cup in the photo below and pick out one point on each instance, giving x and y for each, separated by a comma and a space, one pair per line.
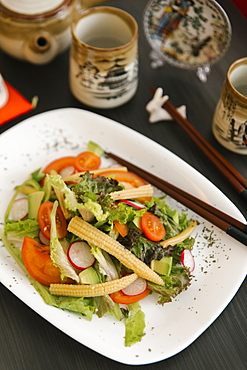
230, 117
103, 70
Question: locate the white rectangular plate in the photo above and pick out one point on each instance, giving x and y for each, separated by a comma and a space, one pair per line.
221, 262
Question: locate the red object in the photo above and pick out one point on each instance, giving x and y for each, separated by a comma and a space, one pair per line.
120, 297
187, 259
59, 164
44, 220
37, 260
80, 256
132, 204
152, 227
16, 105
87, 161
242, 6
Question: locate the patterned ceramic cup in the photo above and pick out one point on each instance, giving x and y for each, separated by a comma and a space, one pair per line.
230, 117
104, 57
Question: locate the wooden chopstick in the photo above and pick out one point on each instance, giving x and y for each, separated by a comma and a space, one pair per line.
232, 175
230, 225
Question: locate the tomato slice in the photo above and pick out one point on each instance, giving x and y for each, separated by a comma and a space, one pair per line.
124, 177
44, 220
120, 297
152, 227
37, 260
59, 164
87, 161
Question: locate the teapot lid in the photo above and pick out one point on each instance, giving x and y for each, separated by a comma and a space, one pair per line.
31, 7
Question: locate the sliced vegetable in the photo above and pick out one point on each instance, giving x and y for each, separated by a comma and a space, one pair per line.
67, 171
120, 297
95, 148
87, 161
152, 227
187, 259
132, 203
59, 164
92, 290
95, 236
89, 276
43, 239
37, 260
19, 209
135, 288
34, 201
123, 229
80, 256
44, 220
163, 266
29, 186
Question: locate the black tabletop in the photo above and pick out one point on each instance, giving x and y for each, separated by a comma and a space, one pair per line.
27, 341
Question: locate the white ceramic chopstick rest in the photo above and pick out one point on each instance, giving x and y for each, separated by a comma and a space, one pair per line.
157, 113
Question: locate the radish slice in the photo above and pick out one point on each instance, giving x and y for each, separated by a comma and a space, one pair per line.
187, 259
19, 209
80, 256
133, 204
43, 239
137, 287
67, 171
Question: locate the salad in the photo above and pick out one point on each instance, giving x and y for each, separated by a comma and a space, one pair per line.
96, 241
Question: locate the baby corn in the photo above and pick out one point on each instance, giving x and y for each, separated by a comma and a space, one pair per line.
141, 191
94, 236
92, 290
180, 237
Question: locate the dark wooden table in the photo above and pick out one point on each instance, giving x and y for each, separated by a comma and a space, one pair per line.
27, 341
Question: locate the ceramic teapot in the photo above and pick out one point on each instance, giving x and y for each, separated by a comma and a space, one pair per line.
38, 30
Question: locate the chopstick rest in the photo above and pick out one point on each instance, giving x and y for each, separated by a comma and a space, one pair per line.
156, 110
225, 222
231, 174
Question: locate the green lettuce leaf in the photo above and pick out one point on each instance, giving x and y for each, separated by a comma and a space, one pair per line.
57, 182
16, 231
103, 305
178, 280
57, 254
134, 324
83, 306
106, 265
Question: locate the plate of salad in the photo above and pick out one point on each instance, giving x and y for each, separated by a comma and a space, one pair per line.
99, 253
